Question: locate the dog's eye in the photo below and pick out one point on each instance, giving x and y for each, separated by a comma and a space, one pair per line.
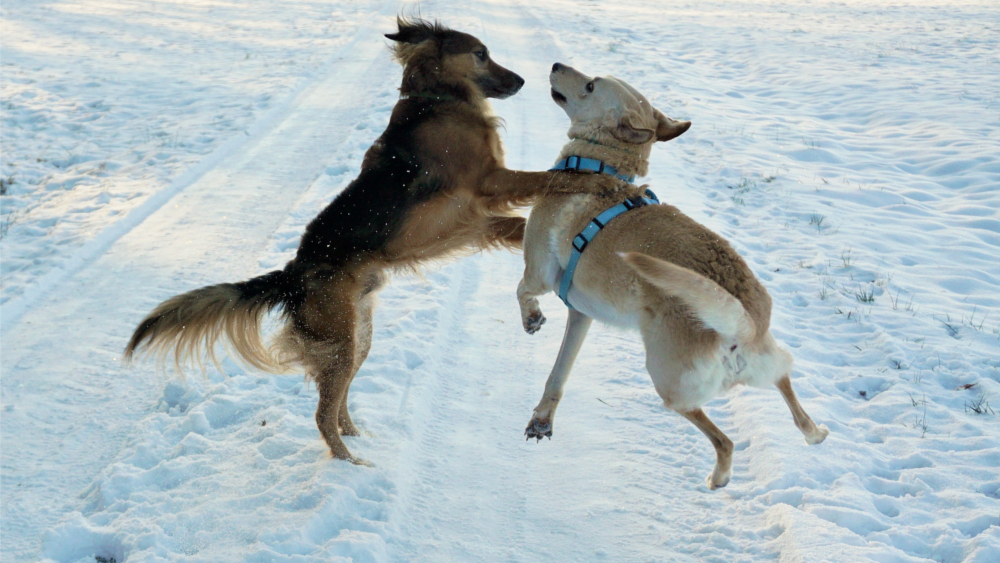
481, 54
590, 86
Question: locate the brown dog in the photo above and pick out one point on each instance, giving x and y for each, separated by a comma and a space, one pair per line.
434, 183
702, 314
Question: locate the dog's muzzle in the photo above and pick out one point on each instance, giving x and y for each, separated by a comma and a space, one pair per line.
511, 85
499, 83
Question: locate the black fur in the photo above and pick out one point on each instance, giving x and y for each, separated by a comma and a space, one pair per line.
417, 31
270, 290
363, 218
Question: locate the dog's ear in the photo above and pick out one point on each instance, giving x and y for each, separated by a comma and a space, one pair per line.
626, 132
667, 128
414, 31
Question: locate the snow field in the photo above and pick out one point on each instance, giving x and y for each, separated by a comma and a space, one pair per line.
245, 192
104, 105
876, 231
847, 150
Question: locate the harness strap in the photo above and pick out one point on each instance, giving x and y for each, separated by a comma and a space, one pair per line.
591, 165
588, 233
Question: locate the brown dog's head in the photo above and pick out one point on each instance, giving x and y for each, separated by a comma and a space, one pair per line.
607, 110
438, 60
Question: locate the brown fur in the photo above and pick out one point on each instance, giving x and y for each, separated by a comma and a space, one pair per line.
433, 185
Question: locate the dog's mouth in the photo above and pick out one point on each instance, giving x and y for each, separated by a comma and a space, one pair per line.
557, 97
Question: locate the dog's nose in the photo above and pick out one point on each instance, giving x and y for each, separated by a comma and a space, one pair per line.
520, 82
557, 67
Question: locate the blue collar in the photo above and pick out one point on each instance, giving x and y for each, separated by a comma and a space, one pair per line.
591, 164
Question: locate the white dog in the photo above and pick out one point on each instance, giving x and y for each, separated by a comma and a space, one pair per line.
703, 315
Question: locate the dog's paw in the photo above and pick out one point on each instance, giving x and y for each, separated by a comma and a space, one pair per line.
534, 322
609, 185
719, 478
361, 462
349, 430
818, 436
537, 429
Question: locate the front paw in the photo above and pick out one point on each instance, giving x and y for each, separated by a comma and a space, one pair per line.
533, 322
607, 183
589, 183
537, 429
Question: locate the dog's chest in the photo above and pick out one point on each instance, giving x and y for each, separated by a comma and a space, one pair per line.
552, 226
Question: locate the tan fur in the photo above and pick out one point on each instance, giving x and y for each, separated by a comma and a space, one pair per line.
200, 318
329, 331
703, 315
718, 309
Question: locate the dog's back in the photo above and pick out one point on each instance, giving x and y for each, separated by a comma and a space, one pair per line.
613, 293
364, 218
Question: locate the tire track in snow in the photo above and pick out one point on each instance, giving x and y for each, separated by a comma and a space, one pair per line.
17, 306
456, 502
222, 214
478, 492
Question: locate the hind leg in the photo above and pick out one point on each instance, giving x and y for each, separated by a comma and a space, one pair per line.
683, 389
363, 336
723, 448
327, 323
813, 434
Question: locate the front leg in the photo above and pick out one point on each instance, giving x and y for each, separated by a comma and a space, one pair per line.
528, 290
505, 187
507, 232
541, 420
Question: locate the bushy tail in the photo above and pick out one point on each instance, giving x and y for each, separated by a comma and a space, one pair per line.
192, 323
715, 307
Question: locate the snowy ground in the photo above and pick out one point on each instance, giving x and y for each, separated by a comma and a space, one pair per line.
848, 150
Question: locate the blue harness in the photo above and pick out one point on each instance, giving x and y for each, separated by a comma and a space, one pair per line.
588, 233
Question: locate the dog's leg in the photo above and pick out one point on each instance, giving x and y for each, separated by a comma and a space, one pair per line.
328, 323
332, 385
723, 448
503, 187
530, 287
505, 231
363, 336
541, 420
813, 434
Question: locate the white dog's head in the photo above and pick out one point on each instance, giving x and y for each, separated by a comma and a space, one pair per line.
606, 110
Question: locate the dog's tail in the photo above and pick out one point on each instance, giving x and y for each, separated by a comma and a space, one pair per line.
192, 323
715, 307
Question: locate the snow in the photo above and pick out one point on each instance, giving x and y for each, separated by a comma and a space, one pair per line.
849, 150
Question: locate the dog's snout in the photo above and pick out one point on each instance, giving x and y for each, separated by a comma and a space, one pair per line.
557, 67
512, 83
501, 84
